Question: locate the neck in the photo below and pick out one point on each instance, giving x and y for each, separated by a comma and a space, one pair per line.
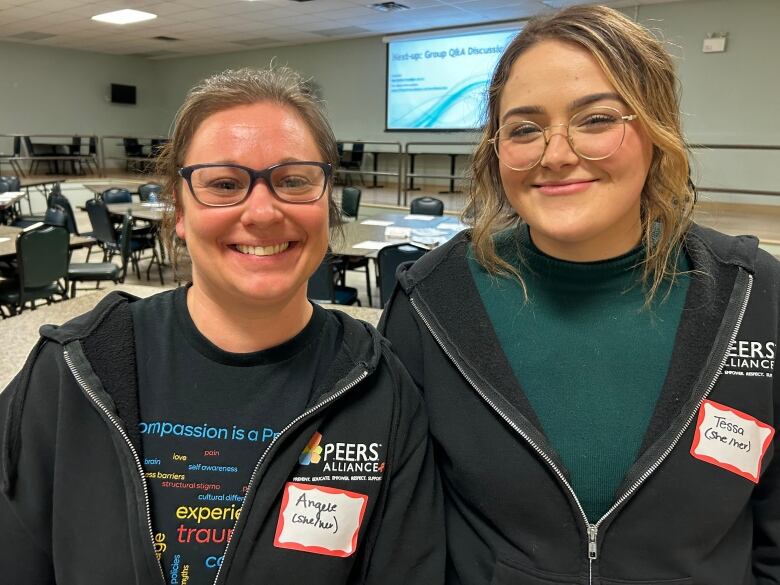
242, 328
603, 247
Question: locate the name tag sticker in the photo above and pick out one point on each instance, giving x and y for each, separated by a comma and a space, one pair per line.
319, 519
731, 439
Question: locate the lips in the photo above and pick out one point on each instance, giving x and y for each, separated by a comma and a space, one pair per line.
262, 250
568, 187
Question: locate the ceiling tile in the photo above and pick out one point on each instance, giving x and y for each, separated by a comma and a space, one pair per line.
208, 26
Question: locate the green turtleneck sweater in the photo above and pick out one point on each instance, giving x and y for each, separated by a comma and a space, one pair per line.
587, 354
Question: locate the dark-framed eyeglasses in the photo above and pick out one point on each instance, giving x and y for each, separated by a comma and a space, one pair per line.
223, 184
593, 134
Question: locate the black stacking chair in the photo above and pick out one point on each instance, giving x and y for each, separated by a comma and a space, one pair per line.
145, 190
34, 158
388, 260
6, 214
13, 159
114, 195
104, 232
58, 200
55, 216
322, 288
427, 206
17, 219
103, 271
134, 151
90, 159
74, 149
350, 205
350, 202
12, 183
42, 255
354, 162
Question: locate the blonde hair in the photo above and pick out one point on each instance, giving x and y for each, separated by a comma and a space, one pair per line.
642, 72
222, 91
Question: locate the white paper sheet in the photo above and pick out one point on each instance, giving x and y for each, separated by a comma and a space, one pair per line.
454, 226
371, 245
376, 222
420, 217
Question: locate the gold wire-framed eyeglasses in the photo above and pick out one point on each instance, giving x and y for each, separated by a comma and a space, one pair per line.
593, 134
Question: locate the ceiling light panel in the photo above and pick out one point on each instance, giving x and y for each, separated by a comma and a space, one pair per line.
125, 16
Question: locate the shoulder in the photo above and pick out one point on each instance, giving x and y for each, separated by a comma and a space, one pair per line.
452, 256
709, 245
32, 395
111, 313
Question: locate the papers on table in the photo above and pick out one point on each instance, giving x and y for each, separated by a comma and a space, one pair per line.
376, 222
371, 245
454, 226
420, 217
430, 237
4, 240
8, 195
396, 232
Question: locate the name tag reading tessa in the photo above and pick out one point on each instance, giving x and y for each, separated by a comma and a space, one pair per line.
319, 519
731, 439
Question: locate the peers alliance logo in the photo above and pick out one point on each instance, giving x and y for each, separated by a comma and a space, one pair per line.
342, 457
751, 359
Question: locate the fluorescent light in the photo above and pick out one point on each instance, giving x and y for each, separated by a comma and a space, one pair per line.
126, 16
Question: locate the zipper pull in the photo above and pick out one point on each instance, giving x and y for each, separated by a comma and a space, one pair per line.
593, 534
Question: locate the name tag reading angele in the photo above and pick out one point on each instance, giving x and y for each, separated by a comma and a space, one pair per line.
320, 519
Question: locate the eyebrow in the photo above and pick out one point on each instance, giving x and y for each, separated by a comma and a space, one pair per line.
287, 159
573, 105
595, 97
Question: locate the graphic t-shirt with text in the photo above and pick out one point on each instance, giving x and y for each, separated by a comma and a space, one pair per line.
206, 418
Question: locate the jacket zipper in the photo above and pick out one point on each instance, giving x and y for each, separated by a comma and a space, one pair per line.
592, 530
259, 463
512, 424
91, 394
115, 421
649, 471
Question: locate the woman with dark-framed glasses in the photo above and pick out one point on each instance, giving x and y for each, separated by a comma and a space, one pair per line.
599, 371
228, 431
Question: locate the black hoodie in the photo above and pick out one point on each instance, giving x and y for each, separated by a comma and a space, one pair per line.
700, 505
74, 503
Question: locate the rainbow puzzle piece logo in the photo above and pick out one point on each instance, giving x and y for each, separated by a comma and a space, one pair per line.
312, 452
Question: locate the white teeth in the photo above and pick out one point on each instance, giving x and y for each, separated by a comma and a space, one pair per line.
263, 250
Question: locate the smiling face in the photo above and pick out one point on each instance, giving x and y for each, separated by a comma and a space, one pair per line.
577, 209
258, 254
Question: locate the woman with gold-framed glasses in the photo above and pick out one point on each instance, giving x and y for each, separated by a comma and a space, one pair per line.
228, 431
599, 370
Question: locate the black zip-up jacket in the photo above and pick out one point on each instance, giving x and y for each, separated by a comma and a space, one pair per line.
74, 506
699, 506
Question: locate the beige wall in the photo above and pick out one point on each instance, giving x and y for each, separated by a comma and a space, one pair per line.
731, 97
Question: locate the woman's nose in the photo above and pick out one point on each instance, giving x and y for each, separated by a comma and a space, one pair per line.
261, 206
559, 152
